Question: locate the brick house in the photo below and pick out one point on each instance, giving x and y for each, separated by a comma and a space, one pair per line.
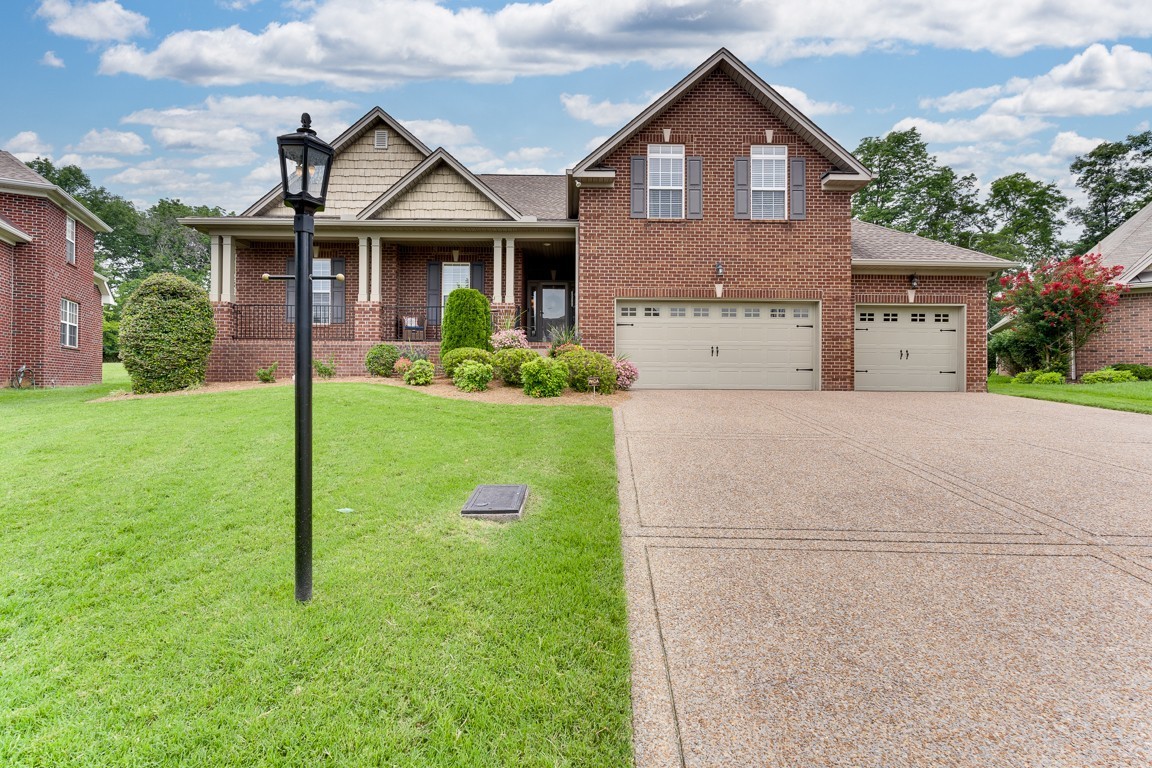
51, 299
710, 240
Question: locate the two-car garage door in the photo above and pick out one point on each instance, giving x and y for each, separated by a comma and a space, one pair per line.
696, 344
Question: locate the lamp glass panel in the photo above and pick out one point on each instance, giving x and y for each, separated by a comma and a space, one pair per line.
294, 157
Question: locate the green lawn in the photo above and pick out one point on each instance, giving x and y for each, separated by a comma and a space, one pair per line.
146, 600
1130, 396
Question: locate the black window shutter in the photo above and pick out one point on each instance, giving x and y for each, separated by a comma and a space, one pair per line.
337, 292
476, 279
695, 187
639, 187
434, 292
290, 291
797, 204
742, 174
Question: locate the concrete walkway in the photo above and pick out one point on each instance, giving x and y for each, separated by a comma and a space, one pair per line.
875, 579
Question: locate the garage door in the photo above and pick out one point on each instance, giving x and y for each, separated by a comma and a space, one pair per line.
719, 344
908, 348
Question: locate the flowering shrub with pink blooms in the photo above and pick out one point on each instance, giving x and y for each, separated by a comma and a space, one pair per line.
626, 373
401, 366
509, 338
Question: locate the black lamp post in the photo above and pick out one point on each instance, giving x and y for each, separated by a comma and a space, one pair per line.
305, 162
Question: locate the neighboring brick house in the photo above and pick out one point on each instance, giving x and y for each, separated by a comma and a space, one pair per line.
710, 240
51, 299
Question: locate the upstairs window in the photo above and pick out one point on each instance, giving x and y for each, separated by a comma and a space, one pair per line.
769, 181
665, 181
70, 240
69, 323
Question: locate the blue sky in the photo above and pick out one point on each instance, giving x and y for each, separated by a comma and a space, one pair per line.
143, 94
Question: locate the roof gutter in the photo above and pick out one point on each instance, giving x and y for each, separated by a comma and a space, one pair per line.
59, 197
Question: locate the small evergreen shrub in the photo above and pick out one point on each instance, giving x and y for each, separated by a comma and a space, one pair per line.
509, 338
1049, 377
467, 321
325, 370
544, 377
472, 376
381, 359
420, 374
1141, 372
563, 349
166, 333
401, 366
585, 365
267, 375
1025, 377
626, 373
1108, 376
506, 364
450, 360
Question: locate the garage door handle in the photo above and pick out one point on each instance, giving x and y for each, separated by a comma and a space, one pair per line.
621, 325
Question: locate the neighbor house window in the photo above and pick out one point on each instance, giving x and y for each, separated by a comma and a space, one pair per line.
665, 181
70, 240
769, 181
322, 292
69, 323
455, 274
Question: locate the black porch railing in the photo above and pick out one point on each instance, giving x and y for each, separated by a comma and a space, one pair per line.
277, 321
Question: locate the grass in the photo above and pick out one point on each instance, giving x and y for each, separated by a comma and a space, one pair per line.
1134, 396
146, 606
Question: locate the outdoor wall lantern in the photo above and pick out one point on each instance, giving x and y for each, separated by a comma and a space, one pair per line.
913, 284
719, 277
305, 164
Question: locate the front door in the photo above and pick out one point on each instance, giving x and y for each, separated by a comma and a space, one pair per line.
549, 306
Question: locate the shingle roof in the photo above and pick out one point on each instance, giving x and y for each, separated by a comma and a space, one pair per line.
545, 197
1129, 245
871, 242
13, 170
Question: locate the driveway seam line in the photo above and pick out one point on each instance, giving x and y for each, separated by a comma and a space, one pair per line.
664, 653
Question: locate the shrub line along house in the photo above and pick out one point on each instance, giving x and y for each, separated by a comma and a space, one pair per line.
51, 299
710, 240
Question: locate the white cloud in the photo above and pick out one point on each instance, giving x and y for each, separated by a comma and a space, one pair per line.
440, 133
529, 154
91, 162
97, 21
50, 59
424, 39
981, 128
1053, 164
112, 142
27, 145
236, 5
963, 100
809, 106
603, 113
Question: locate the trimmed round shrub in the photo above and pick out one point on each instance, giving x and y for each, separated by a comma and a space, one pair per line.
626, 373
562, 349
166, 333
467, 321
420, 373
585, 365
509, 338
1025, 377
544, 377
507, 362
451, 360
1108, 376
1050, 377
472, 376
1142, 372
401, 366
381, 359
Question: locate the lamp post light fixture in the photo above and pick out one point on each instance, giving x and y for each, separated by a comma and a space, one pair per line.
305, 164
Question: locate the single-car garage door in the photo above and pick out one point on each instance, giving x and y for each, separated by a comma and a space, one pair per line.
908, 348
695, 344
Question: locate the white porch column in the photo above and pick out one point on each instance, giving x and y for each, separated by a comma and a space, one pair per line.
376, 281
214, 268
510, 275
365, 244
497, 270
228, 281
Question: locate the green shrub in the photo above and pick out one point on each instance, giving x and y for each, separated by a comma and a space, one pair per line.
585, 365
1142, 372
420, 373
166, 333
1107, 376
414, 353
267, 375
561, 338
1026, 377
381, 359
467, 321
472, 376
1017, 350
506, 364
401, 366
325, 370
111, 341
451, 360
1049, 377
544, 377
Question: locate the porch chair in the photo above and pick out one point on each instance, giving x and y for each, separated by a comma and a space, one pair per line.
413, 328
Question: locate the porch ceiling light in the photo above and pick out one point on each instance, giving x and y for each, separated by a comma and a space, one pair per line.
305, 165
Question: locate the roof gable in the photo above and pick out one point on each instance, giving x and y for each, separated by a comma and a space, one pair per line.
18, 179
439, 188
848, 173
1129, 246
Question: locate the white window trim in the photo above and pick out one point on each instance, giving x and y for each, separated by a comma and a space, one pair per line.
69, 324
779, 151
466, 266
322, 310
666, 151
70, 240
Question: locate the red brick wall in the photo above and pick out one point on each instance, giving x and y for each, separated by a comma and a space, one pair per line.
42, 278
7, 295
808, 259
1126, 339
970, 292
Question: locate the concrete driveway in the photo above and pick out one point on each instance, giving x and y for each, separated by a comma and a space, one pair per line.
886, 579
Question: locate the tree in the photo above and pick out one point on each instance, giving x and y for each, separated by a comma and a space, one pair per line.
169, 246
166, 334
1116, 177
467, 321
1022, 220
1059, 305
